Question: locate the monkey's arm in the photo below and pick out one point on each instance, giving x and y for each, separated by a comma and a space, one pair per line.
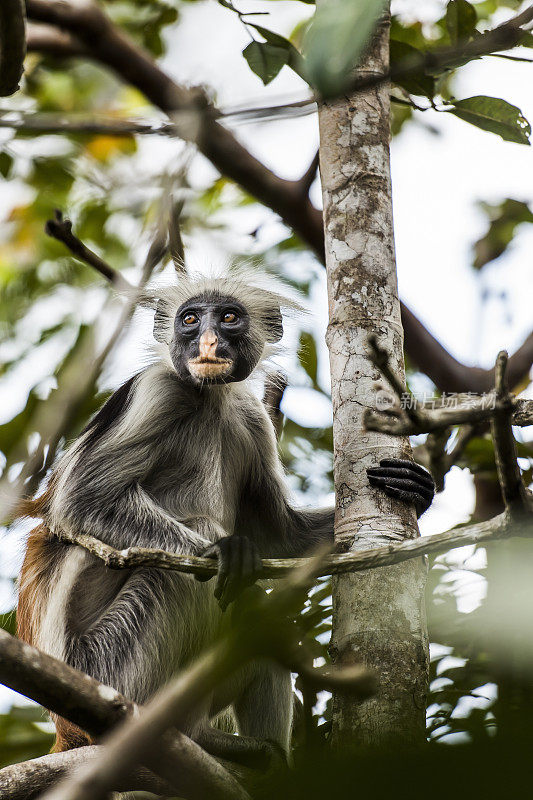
130, 518
100, 493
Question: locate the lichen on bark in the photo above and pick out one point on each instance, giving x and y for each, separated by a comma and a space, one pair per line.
378, 617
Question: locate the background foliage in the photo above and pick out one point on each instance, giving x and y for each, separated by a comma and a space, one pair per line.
113, 188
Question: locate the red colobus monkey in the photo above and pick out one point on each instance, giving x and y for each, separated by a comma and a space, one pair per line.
182, 457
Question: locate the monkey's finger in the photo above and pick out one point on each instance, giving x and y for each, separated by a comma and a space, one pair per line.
420, 503
248, 562
402, 462
410, 487
224, 559
211, 552
425, 481
234, 583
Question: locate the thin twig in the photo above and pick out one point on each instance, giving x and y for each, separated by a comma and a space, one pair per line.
459, 411
380, 359
61, 229
514, 492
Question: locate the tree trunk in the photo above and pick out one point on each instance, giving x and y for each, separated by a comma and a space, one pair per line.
378, 617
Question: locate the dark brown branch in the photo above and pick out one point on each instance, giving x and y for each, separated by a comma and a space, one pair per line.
52, 42
12, 45
111, 47
189, 109
512, 487
61, 229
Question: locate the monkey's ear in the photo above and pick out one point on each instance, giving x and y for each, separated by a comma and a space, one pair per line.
274, 326
161, 322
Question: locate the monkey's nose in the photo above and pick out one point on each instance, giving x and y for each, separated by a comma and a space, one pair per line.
208, 344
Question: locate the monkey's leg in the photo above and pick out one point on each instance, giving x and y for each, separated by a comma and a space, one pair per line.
264, 707
246, 750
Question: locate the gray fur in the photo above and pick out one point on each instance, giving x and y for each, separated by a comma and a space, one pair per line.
175, 467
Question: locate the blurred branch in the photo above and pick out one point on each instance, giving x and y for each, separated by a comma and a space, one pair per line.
198, 121
52, 42
514, 492
56, 123
449, 374
96, 709
307, 179
433, 454
28, 779
12, 45
177, 250
61, 229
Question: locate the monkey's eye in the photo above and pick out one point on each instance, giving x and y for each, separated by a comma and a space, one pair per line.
229, 317
189, 319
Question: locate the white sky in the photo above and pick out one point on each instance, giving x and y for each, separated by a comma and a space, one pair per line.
437, 180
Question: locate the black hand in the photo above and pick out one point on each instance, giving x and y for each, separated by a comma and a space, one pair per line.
404, 480
239, 565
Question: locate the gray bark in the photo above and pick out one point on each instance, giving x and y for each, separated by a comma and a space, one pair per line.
379, 616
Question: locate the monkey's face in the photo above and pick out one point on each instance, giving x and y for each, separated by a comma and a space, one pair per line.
213, 341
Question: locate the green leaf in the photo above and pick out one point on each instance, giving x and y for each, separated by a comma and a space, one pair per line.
307, 354
8, 622
339, 32
495, 115
461, 19
504, 218
6, 162
418, 83
294, 60
265, 59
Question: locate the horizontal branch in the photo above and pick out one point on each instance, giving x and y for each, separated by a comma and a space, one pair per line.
335, 564
468, 410
57, 123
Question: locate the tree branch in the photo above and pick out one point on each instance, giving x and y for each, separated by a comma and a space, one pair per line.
61, 229
12, 45
28, 779
279, 567
96, 709
52, 42
197, 121
458, 410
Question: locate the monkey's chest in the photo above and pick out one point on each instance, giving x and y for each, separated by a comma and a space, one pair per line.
204, 478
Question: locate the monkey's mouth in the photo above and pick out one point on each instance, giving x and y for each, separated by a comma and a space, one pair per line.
202, 367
